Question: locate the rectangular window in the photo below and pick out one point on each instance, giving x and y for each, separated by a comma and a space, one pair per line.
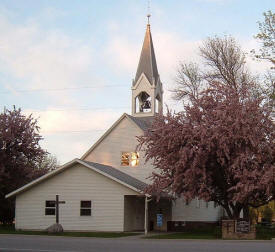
125, 158
50, 207
85, 208
129, 158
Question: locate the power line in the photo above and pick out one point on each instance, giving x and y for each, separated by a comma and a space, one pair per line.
60, 89
76, 109
71, 131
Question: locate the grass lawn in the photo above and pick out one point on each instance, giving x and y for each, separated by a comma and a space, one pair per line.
8, 229
264, 233
213, 233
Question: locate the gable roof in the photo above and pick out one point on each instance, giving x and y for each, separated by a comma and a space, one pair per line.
115, 173
105, 170
142, 123
147, 62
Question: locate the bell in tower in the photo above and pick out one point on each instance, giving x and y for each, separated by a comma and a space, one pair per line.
144, 102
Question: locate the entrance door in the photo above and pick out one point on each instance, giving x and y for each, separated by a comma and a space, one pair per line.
133, 213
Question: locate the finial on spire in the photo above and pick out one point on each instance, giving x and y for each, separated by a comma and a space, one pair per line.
148, 17
148, 11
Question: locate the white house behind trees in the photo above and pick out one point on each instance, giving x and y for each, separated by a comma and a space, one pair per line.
103, 190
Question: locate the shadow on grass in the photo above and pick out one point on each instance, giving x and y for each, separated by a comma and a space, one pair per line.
9, 229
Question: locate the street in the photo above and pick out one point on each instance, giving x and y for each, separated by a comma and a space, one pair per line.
27, 243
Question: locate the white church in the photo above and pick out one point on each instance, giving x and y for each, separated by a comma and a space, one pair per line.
103, 190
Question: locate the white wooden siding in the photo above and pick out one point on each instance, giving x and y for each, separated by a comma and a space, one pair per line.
121, 139
73, 185
195, 211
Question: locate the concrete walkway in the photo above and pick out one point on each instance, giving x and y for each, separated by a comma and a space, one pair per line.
142, 235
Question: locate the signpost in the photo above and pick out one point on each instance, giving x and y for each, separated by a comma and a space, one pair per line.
238, 229
57, 202
159, 220
242, 226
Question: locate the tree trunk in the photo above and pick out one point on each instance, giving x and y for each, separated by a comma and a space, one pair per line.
228, 211
246, 213
233, 211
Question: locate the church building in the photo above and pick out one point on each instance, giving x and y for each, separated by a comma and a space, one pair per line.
103, 190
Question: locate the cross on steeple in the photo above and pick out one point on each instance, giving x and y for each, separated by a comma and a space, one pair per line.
148, 17
148, 12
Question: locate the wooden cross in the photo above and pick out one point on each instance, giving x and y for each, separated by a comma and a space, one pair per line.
57, 202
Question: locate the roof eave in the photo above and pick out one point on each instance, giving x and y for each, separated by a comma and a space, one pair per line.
40, 179
61, 169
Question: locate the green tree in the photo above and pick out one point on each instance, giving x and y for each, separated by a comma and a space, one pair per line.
267, 214
267, 37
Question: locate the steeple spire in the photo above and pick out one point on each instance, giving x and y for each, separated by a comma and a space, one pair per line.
147, 61
147, 90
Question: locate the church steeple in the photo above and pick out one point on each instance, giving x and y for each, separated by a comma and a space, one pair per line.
147, 88
147, 61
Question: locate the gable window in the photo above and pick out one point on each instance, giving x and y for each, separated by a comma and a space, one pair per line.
129, 158
85, 208
50, 207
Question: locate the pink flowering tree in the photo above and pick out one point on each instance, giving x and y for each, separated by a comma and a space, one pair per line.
219, 148
21, 157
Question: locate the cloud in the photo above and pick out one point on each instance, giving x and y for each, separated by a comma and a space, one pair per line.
51, 13
255, 66
170, 49
42, 59
215, 1
68, 134
122, 55
52, 120
35, 58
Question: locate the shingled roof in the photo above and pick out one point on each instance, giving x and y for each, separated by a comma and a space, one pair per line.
143, 122
147, 62
115, 173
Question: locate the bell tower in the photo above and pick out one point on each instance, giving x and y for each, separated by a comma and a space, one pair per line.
147, 92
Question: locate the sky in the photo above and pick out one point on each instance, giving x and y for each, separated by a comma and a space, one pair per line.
71, 63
